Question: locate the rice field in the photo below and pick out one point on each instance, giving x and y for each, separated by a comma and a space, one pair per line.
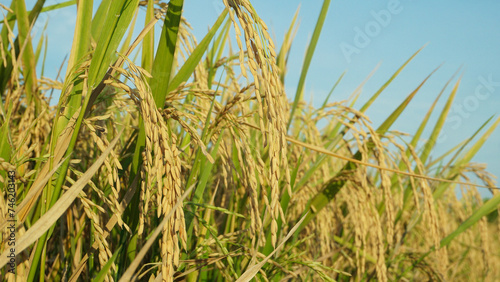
188, 161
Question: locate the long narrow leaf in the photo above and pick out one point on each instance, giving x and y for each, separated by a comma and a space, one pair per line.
491, 205
117, 21
188, 67
164, 59
308, 58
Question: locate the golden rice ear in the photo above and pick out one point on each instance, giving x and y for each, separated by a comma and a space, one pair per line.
262, 65
394, 215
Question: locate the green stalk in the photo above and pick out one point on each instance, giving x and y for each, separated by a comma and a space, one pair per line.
42, 264
91, 253
57, 189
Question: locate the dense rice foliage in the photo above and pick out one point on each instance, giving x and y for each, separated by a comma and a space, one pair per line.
187, 161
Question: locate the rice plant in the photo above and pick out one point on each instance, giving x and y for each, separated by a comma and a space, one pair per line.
187, 161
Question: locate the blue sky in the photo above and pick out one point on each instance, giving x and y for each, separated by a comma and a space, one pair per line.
458, 33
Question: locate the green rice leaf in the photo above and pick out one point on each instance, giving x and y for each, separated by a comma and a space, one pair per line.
117, 20
188, 67
376, 94
165, 55
105, 269
148, 41
488, 207
384, 127
27, 54
466, 158
429, 145
308, 58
